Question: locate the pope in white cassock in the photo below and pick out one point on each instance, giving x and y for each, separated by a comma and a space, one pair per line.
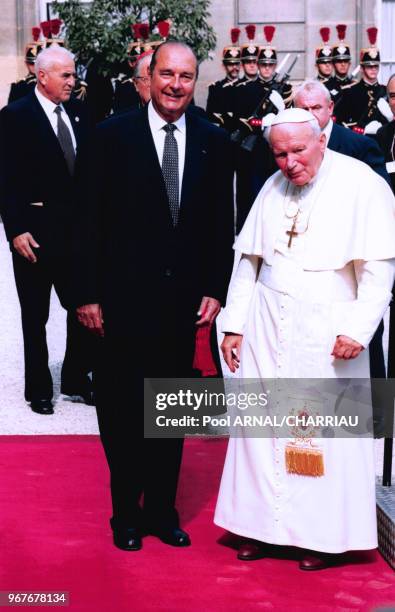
312, 284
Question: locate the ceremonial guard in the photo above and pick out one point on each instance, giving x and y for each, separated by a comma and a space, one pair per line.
249, 57
27, 84
125, 94
364, 107
341, 59
323, 57
220, 98
255, 166
250, 93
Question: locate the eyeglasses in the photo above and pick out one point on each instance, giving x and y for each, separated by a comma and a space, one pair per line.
143, 79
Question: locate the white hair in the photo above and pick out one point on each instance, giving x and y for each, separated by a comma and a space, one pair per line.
141, 63
314, 86
53, 55
313, 123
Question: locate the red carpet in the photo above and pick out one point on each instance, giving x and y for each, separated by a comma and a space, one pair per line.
55, 535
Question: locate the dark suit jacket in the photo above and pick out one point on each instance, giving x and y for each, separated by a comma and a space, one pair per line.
35, 171
130, 248
358, 146
385, 138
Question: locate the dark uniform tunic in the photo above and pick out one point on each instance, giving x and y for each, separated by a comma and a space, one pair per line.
335, 86
220, 102
249, 94
359, 105
22, 88
125, 94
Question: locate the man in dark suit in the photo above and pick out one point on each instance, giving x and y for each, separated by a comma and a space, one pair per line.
314, 97
41, 134
152, 254
386, 134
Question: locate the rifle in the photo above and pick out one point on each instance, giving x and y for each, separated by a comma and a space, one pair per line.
247, 135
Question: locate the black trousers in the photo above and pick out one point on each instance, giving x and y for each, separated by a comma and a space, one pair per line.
139, 467
34, 283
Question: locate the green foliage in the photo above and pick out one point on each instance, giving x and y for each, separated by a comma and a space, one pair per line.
101, 30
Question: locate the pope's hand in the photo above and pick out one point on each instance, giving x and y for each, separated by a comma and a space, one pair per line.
230, 348
91, 316
346, 348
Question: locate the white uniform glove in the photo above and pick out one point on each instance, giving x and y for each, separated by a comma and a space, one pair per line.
385, 109
372, 127
267, 120
277, 100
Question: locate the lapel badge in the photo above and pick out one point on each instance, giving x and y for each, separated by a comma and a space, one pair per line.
76, 119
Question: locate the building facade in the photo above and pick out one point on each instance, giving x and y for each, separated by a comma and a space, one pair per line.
297, 31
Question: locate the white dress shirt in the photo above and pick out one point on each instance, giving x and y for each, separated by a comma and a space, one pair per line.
156, 124
49, 109
327, 130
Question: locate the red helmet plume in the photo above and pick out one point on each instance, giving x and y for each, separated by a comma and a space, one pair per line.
325, 34
234, 35
250, 30
341, 31
268, 31
372, 35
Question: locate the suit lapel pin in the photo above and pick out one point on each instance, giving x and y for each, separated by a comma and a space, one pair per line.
76, 119
203, 151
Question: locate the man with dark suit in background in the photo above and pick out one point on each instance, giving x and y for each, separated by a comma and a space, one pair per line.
314, 97
386, 134
42, 134
154, 257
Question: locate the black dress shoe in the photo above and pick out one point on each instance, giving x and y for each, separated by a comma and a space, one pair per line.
251, 551
42, 406
173, 536
127, 539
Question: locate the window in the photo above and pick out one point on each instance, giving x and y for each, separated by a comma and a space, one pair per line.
46, 11
387, 36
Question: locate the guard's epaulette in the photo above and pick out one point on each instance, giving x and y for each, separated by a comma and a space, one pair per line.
213, 83
27, 78
349, 85
242, 83
228, 84
122, 78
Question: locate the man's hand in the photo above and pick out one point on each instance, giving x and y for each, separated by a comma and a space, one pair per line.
91, 316
230, 348
22, 245
346, 348
208, 310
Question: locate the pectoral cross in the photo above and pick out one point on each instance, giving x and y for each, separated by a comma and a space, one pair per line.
291, 233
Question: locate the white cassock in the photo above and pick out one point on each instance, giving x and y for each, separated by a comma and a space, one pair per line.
335, 278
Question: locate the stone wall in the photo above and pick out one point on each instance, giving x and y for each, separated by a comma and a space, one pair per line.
297, 31
17, 18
